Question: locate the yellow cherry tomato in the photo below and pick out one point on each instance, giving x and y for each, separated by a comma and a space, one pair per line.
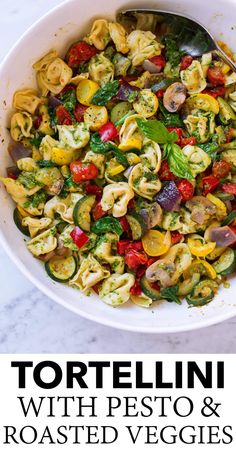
95, 117
201, 266
156, 243
85, 91
132, 142
147, 103
204, 102
199, 247
62, 156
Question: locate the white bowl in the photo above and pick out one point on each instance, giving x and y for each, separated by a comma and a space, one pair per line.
58, 29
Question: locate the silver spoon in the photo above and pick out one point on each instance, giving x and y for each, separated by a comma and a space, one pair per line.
191, 36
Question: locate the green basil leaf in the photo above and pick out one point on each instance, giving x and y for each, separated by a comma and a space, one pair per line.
178, 162
97, 145
103, 95
69, 100
169, 119
107, 224
156, 131
171, 294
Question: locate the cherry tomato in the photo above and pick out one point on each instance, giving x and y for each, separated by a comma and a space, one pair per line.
131, 203
160, 93
136, 290
37, 122
215, 91
221, 169
67, 88
186, 189
215, 76
229, 134
134, 259
209, 184
63, 116
79, 237
176, 237
185, 62
98, 212
94, 189
79, 112
83, 171
80, 52
159, 61
164, 173
178, 131
229, 188
122, 246
108, 132
124, 223
184, 141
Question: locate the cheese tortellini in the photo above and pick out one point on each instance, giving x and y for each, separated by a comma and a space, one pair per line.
130, 135
26, 100
104, 252
115, 290
21, 125
99, 35
74, 137
116, 197
151, 158
101, 69
197, 158
64, 207
144, 182
201, 124
43, 243
193, 78
89, 273
53, 74
36, 225
17, 190
143, 45
118, 36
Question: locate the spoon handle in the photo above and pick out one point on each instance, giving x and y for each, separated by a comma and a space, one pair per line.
225, 58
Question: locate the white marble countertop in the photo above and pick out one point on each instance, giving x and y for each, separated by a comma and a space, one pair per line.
30, 322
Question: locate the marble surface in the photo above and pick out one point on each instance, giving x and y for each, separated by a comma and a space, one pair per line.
30, 322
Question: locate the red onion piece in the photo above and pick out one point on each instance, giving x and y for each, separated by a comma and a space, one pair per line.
169, 197
125, 91
54, 101
13, 171
18, 151
128, 171
223, 236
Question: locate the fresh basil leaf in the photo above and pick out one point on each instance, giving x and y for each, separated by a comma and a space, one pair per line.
69, 100
178, 162
169, 119
97, 145
36, 140
211, 148
120, 157
171, 294
105, 94
172, 52
156, 131
107, 224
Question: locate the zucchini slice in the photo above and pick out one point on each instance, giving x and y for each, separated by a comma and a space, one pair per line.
226, 113
202, 294
81, 212
18, 222
229, 218
226, 264
61, 269
147, 289
137, 225
119, 111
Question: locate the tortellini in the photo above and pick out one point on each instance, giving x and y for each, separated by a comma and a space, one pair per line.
89, 273
193, 78
144, 182
43, 243
130, 135
118, 36
171, 221
64, 207
74, 137
17, 190
99, 35
36, 225
45, 126
116, 197
151, 158
101, 69
98, 160
53, 74
197, 158
201, 124
46, 146
143, 45
121, 64
104, 252
27, 164
66, 239
115, 290
26, 100
142, 300
232, 100
21, 125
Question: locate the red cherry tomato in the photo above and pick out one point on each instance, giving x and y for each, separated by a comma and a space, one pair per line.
124, 223
229, 134
135, 259
83, 171
136, 290
229, 188
176, 237
209, 184
80, 52
122, 246
160, 93
67, 88
221, 169
185, 62
178, 131
108, 132
93, 189
164, 173
159, 61
98, 212
215, 76
63, 116
186, 189
79, 112
79, 237
184, 141
215, 91
37, 122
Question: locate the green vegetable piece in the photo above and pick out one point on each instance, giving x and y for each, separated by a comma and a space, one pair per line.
178, 162
38, 198
69, 100
229, 218
203, 293
27, 179
105, 94
97, 145
36, 140
156, 131
61, 269
173, 53
81, 212
18, 222
226, 264
147, 289
119, 111
137, 225
107, 224
169, 119
171, 294
45, 163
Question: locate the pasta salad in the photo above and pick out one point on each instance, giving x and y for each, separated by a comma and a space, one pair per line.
124, 174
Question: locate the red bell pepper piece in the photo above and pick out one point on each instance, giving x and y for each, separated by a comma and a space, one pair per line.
159, 61
164, 173
215, 91
135, 259
209, 184
80, 52
175, 237
98, 212
124, 223
136, 290
215, 76
160, 93
93, 189
184, 141
221, 169
37, 122
79, 237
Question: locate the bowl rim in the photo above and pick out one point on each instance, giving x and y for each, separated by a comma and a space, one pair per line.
49, 293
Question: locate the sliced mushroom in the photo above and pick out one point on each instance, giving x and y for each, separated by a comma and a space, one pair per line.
56, 187
161, 271
152, 215
201, 208
174, 97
